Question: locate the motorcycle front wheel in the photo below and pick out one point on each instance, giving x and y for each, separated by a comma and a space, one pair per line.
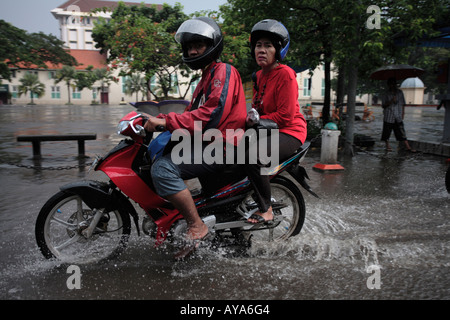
61, 230
288, 209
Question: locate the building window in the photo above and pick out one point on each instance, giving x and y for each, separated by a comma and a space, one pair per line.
76, 94
124, 81
73, 36
174, 82
323, 88
52, 74
88, 35
94, 93
85, 21
153, 83
306, 87
56, 92
14, 91
194, 85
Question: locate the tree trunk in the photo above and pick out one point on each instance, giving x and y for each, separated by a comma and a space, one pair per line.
351, 102
68, 91
352, 70
327, 96
340, 92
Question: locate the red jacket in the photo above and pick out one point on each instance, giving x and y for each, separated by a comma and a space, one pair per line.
278, 93
218, 102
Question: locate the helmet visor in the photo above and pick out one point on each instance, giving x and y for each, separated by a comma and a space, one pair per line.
195, 27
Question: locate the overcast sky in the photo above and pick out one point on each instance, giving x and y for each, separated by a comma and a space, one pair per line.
35, 16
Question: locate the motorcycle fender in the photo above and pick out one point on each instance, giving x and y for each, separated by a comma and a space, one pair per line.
300, 175
98, 194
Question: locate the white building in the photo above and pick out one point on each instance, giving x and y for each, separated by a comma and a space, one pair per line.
76, 23
58, 93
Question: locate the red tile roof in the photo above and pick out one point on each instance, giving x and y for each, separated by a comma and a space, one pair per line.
88, 5
89, 57
84, 58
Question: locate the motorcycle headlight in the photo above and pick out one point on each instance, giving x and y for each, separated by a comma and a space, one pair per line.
122, 126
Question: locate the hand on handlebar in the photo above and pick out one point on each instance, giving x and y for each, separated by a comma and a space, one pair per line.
154, 124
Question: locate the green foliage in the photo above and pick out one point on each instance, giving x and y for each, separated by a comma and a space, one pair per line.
85, 79
140, 39
135, 84
68, 74
323, 30
19, 48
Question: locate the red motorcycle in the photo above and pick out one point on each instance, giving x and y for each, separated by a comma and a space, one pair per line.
90, 220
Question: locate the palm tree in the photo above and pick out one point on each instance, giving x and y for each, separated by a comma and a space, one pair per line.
135, 84
68, 74
30, 82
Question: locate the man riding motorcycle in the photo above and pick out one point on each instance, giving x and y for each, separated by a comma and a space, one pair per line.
218, 102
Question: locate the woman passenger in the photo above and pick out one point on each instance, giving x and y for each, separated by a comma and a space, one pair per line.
275, 97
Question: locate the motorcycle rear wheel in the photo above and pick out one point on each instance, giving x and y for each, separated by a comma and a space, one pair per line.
59, 229
288, 220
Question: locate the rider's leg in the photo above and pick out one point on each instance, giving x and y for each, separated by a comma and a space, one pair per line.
168, 184
261, 183
185, 204
168, 179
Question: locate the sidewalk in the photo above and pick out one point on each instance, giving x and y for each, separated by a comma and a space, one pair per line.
424, 128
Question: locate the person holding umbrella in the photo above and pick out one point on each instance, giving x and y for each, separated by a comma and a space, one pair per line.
393, 103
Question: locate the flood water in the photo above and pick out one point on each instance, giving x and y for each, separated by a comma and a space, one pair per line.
379, 231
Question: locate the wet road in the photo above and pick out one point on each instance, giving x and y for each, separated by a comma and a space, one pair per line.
383, 224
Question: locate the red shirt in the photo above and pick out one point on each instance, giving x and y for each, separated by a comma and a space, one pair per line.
278, 93
218, 102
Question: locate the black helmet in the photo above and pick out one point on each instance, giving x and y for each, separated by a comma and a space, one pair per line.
276, 32
200, 28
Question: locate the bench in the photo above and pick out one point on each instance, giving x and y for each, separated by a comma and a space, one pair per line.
37, 139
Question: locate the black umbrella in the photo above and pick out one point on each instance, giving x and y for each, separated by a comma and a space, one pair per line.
397, 71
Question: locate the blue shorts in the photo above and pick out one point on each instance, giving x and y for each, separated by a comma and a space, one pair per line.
168, 177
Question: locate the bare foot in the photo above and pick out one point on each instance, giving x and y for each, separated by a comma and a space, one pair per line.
197, 231
194, 236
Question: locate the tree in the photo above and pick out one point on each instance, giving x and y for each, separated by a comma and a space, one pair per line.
308, 25
30, 83
105, 76
140, 39
135, 84
341, 32
67, 74
86, 78
21, 49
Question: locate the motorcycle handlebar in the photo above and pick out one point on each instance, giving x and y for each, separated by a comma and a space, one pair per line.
158, 128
